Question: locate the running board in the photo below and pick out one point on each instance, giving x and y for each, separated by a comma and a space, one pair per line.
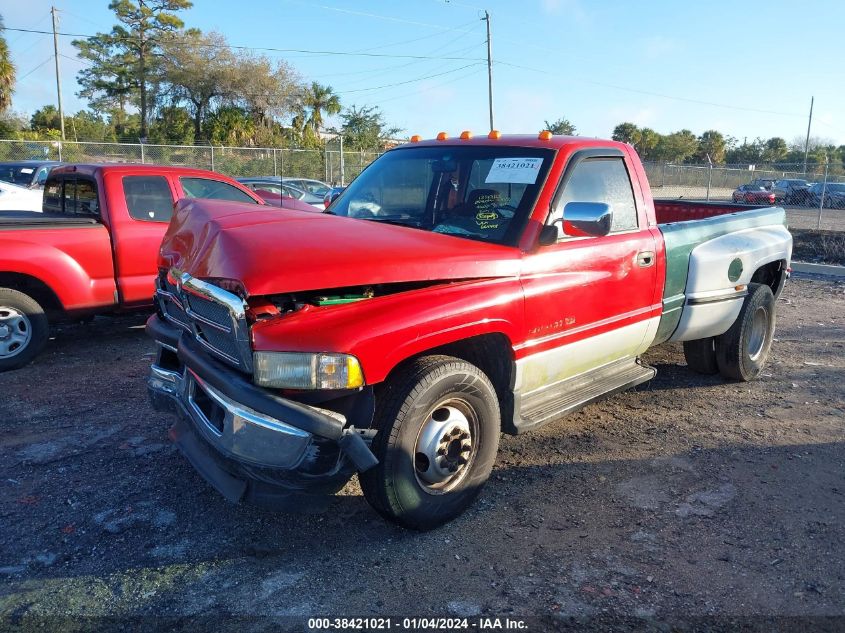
569, 396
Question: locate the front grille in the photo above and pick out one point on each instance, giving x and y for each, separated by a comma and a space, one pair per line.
211, 310
215, 317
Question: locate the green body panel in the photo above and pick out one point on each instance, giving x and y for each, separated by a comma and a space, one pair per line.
681, 238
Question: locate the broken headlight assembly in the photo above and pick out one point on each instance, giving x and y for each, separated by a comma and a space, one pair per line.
300, 370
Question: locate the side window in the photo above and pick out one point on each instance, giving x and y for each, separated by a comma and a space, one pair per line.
52, 200
148, 198
602, 180
41, 177
214, 189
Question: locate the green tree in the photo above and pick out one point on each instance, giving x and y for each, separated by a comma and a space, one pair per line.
677, 147
647, 143
199, 69
108, 82
774, 150
562, 126
317, 99
127, 56
626, 133
7, 72
173, 124
365, 129
87, 126
747, 153
45, 118
711, 143
230, 125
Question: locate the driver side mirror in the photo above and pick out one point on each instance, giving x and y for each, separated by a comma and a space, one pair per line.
587, 219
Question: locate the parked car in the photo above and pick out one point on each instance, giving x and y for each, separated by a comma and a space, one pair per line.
498, 285
15, 198
285, 189
286, 202
94, 247
834, 195
791, 191
27, 173
753, 194
316, 187
765, 183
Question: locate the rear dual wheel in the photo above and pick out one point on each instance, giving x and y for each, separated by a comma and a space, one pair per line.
438, 425
741, 352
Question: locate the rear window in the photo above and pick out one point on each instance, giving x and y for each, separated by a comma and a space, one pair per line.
213, 189
71, 196
148, 198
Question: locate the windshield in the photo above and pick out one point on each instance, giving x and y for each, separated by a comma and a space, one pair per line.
17, 174
477, 192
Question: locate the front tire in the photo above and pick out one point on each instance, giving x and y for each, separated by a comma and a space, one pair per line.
438, 425
741, 352
24, 329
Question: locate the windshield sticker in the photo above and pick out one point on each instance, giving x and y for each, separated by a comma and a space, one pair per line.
514, 170
26, 170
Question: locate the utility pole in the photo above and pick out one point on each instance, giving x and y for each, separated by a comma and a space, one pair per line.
807, 142
58, 81
142, 66
486, 18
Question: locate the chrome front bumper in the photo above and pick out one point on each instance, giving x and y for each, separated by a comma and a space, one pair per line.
235, 430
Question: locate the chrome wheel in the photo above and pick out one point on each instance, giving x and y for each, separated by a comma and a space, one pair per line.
444, 450
15, 332
757, 337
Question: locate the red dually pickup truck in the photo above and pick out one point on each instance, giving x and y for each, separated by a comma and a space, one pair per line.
94, 247
458, 288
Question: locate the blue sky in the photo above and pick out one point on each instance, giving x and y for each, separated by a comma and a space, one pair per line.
747, 68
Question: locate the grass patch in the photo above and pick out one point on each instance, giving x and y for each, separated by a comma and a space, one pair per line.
818, 247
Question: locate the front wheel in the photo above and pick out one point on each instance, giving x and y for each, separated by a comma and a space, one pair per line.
23, 329
438, 425
742, 351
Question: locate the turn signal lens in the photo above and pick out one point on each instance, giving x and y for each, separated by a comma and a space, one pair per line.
416, 138
495, 135
296, 370
466, 135
545, 135
442, 136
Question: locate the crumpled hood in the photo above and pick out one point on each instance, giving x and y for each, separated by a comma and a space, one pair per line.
271, 250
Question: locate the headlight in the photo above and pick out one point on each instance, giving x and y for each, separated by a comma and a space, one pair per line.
297, 370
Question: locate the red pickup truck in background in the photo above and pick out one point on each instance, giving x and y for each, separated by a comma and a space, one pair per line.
458, 288
94, 247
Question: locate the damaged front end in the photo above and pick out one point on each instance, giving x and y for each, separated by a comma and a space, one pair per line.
248, 441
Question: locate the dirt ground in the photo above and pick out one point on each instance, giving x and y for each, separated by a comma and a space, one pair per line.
687, 497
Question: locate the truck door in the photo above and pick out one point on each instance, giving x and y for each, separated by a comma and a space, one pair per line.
140, 207
589, 300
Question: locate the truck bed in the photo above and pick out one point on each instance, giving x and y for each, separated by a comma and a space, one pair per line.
668, 211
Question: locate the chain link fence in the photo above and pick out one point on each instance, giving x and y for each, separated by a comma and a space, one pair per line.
321, 164
667, 180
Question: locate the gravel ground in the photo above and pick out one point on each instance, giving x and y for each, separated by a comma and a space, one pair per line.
805, 218
688, 497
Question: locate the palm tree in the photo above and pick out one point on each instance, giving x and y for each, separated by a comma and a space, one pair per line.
7, 73
318, 99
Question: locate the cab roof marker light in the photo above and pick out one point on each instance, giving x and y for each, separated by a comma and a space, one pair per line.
416, 138
466, 135
545, 135
495, 135
442, 136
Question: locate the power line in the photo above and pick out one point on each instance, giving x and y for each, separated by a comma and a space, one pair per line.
409, 81
276, 50
50, 58
653, 94
437, 85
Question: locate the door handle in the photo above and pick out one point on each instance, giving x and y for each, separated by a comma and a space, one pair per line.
645, 259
